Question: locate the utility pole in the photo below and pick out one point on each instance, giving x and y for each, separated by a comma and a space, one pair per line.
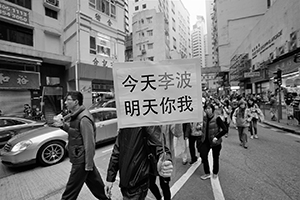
278, 81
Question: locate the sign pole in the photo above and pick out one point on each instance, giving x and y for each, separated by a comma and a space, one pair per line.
279, 106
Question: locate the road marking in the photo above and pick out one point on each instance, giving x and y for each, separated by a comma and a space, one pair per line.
215, 183
293, 135
107, 150
183, 179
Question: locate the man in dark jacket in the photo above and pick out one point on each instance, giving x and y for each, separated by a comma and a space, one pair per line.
81, 146
130, 158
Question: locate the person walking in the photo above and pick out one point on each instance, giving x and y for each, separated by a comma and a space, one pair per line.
130, 158
213, 130
241, 119
81, 147
187, 129
225, 114
256, 115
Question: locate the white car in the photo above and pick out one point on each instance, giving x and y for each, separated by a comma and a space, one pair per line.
46, 145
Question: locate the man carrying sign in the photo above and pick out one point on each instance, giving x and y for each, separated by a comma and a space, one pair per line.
130, 158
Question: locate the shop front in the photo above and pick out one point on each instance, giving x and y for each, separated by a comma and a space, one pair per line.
17, 88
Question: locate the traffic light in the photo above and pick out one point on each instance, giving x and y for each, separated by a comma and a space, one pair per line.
278, 77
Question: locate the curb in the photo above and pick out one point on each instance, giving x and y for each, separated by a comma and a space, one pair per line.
282, 127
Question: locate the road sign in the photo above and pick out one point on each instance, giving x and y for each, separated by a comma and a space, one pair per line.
251, 74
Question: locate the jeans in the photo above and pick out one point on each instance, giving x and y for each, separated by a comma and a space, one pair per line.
78, 176
253, 127
139, 193
204, 150
243, 135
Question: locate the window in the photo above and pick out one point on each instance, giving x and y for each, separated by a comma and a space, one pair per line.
17, 34
136, 8
150, 33
23, 3
92, 45
107, 7
144, 6
50, 13
149, 20
102, 45
150, 46
136, 0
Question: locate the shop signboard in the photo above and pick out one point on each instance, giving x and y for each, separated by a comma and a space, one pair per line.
10, 79
14, 13
251, 74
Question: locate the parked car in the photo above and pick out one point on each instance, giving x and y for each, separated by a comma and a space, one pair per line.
11, 126
47, 145
109, 104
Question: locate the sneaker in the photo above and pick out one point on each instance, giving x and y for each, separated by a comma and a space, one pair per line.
205, 176
255, 136
251, 137
241, 144
184, 162
226, 136
245, 146
214, 176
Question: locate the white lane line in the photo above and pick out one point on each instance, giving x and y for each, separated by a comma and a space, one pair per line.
107, 150
293, 135
215, 183
183, 179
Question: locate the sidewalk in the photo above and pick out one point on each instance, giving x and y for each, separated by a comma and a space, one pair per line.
290, 125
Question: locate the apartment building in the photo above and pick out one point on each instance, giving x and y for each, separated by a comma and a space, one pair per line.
177, 18
48, 47
198, 45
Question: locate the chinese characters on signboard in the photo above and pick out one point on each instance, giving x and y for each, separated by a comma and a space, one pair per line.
14, 13
161, 93
19, 80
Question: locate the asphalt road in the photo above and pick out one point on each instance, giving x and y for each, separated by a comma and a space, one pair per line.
268, 169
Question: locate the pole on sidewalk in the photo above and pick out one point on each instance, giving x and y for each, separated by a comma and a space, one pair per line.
279, 107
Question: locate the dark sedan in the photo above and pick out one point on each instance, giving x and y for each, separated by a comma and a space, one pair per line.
11, 126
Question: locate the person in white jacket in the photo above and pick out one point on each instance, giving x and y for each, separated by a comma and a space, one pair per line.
241, 119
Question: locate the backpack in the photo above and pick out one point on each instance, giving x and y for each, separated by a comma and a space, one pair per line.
196, 129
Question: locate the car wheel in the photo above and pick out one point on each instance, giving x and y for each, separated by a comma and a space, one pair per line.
51, 153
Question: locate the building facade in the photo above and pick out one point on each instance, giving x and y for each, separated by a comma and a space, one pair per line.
49, 47
274, 43
197, 38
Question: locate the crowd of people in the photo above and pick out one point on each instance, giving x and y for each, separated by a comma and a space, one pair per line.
131, 158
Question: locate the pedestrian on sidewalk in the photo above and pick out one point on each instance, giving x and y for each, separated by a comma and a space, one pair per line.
213, 129
241, 119
273, 107
257, 115
130, 157
81, 147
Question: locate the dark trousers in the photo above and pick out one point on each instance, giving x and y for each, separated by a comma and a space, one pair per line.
164, 185
137, 193
204, 150
192, 142
78, 176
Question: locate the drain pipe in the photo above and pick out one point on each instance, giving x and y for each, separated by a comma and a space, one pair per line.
77, 46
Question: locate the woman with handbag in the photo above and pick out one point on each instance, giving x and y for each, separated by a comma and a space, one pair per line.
194, 138
213, 129
256, 115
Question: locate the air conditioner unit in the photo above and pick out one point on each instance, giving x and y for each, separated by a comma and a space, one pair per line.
293, 41
143, 51
52, 2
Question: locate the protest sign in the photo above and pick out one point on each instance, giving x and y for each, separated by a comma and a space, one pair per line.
155, 93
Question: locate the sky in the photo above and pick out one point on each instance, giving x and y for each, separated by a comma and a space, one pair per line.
195, 7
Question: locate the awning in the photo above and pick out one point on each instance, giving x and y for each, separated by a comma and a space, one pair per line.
293, 81
20, 59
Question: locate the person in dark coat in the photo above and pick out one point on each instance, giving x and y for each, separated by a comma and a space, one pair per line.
130, 158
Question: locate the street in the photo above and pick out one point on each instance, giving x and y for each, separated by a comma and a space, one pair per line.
268, 169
